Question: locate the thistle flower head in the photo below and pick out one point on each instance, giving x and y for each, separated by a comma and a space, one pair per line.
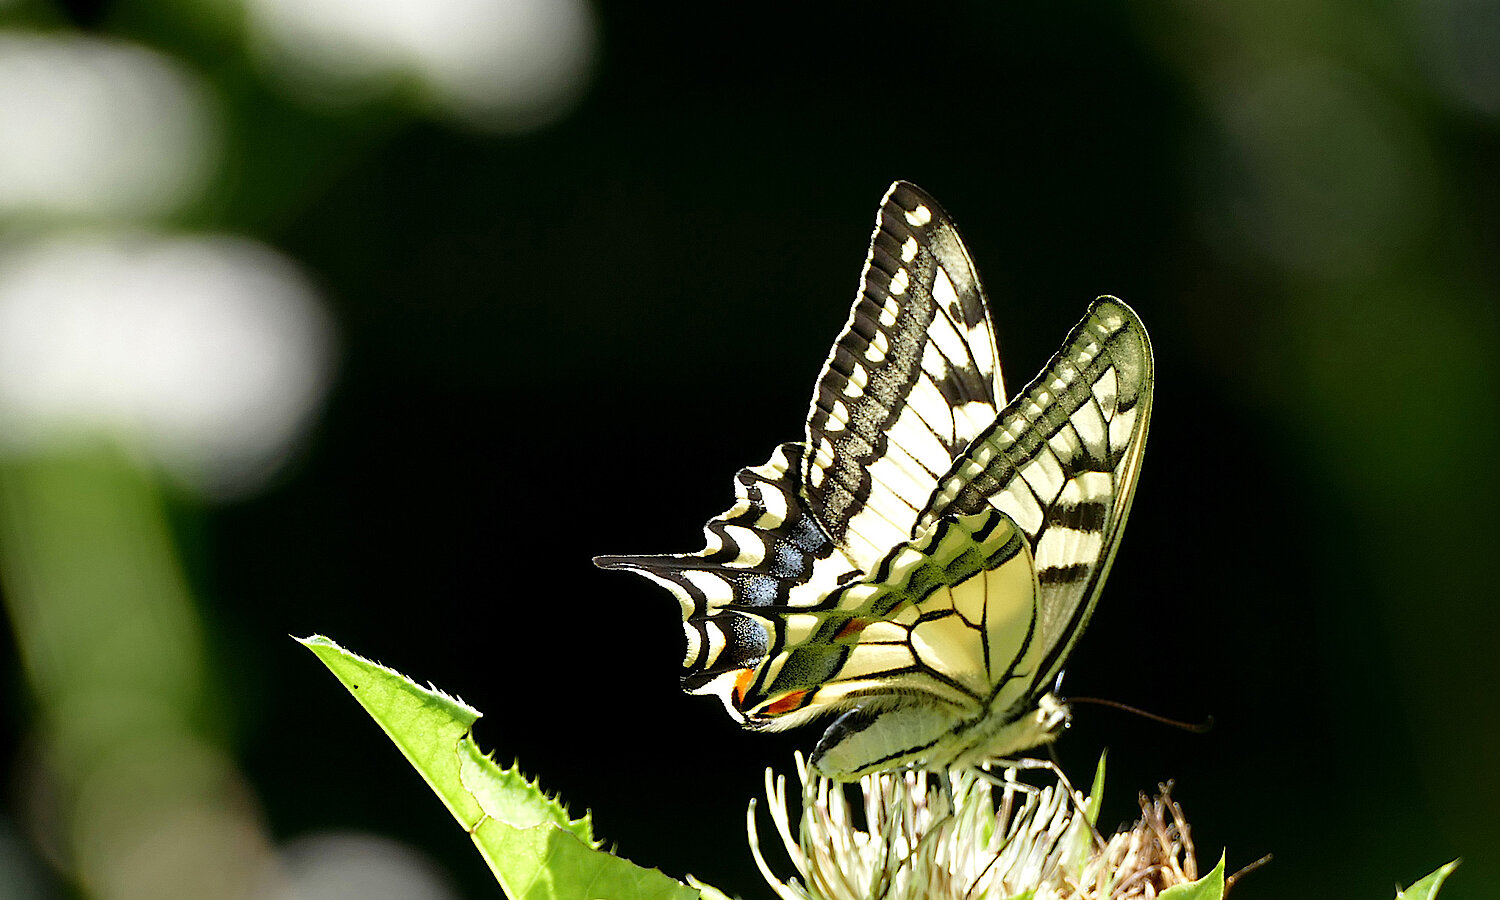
969, 835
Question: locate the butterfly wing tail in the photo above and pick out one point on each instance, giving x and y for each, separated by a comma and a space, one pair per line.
764, 559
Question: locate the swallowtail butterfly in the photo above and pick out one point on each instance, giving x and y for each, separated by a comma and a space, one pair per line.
923, 562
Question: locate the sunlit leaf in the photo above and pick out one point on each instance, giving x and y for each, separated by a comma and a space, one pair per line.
535, 849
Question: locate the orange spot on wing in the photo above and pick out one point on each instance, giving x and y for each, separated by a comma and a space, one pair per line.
786, 704
851, 630
741, 685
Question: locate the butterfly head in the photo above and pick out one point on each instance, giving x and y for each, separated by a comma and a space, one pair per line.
1051, 718
999, 737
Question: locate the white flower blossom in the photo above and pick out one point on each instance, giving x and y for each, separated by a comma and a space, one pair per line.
969, 835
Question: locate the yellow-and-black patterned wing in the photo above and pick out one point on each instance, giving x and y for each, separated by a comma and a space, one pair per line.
943, 654
1061, 461
760, 586
911, 380
926, 560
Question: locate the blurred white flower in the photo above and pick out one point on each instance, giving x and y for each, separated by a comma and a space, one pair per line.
502, 65
98, 128
206, 354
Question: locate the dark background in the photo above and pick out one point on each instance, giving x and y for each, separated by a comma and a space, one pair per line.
565, 342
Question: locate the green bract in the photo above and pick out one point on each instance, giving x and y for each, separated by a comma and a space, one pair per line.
1427, 887
1209, 887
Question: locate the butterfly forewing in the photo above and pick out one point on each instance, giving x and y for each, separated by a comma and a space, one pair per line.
1061, 461
912, 379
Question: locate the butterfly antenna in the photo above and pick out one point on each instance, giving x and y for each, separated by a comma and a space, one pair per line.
1203, 727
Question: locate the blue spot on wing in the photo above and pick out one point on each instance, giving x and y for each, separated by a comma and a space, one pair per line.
787, 562
758, 590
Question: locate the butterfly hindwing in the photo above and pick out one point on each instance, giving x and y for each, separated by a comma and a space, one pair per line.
758, 585
921, 624
911, 380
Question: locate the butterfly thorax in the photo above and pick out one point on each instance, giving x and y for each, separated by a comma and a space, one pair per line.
920, 736
998, 737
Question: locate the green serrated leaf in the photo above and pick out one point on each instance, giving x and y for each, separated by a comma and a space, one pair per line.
1428, 887
425, 724
549, 863
1209, 887
534, 848
505, 794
